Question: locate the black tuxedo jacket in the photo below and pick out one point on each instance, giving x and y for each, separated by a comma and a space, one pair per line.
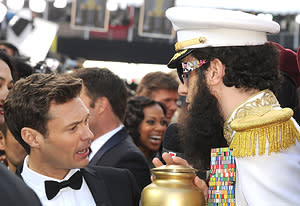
109, 186
121, 152
14, 192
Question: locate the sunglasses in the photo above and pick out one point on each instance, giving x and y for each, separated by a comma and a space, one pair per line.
187, 67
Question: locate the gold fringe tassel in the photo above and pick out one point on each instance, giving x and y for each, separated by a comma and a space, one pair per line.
280, 137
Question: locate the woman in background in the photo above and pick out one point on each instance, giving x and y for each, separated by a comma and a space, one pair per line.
145, 121
7, 75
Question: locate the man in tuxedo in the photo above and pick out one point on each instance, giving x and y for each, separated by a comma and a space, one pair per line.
46, 115
105, 95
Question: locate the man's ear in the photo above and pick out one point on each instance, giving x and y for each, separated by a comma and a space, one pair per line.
31, 137
2, 141
101, 104
215, 72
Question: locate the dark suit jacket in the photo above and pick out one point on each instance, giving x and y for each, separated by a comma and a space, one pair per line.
14, 192
121, 152
109, 186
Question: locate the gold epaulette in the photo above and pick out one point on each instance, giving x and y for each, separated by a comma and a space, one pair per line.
275, 126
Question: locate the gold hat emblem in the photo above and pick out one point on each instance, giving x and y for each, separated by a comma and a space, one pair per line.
190, 42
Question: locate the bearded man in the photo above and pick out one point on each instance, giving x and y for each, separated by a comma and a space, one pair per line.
229, 73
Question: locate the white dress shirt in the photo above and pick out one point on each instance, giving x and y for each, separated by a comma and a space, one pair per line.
100, 141
65, 197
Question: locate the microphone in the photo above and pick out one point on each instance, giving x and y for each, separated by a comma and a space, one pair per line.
171, 143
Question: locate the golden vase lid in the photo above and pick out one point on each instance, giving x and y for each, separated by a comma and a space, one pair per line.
174, 169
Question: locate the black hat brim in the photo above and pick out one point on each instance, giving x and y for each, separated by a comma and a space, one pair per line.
173, 63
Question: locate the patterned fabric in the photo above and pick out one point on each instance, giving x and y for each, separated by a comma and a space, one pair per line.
222, 178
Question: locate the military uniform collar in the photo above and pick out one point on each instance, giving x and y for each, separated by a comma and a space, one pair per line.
262, 101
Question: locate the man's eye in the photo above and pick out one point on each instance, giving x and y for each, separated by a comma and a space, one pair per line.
73, 128
10, 86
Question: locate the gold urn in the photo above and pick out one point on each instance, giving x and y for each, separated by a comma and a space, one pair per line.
172, 186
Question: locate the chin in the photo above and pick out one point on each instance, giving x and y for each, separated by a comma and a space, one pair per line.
154, 149
82, 163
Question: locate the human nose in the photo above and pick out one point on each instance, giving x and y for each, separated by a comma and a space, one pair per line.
87, 135
4, 93
160, 127
182, 89
173, 105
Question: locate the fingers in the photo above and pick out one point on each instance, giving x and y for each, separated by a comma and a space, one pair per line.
152, 178
157, 162
202, 186
170, 160
167, 158
180, 161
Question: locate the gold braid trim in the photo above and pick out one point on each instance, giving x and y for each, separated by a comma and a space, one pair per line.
190, 42
277, 128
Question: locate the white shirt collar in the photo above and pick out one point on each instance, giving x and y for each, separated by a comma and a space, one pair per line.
66, 196
36, 180
100, 141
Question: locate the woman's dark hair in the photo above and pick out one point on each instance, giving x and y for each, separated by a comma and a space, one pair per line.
135, 114
248, 67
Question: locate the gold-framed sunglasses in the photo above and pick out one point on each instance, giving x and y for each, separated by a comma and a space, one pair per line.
187, 67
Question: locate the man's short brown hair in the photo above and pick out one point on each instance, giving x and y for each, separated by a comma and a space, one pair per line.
155, 81
101, 82
28, 103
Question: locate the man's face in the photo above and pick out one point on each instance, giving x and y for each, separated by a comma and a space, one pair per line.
203, 125
189, 86
169, 99
67, 144
93, 122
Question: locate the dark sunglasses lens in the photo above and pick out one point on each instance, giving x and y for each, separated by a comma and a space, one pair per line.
179, 73
185, 78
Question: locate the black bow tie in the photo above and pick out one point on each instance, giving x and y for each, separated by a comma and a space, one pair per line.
53, 187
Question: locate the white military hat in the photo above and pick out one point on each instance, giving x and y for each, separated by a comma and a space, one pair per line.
209, 27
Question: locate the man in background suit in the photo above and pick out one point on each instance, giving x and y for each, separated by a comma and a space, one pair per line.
105, 95
46, 115
11, 187
161, 87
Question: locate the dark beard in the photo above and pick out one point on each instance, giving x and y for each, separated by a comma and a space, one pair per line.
202, 128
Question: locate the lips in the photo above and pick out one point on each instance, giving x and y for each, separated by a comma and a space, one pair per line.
155, 139
83, 153
169, 115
